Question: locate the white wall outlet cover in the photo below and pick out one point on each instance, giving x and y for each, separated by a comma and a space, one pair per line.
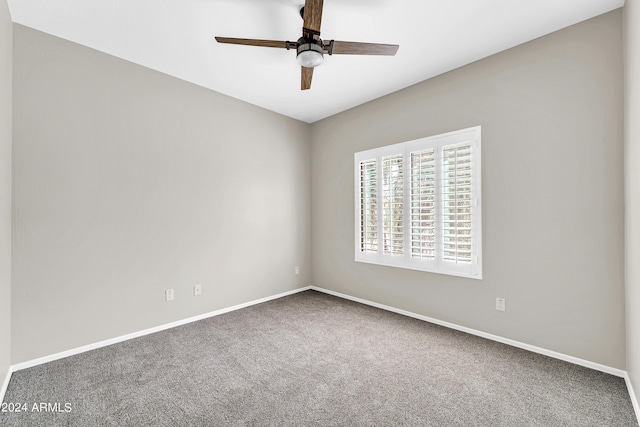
168, 295
501, 304
197, 290
297, 270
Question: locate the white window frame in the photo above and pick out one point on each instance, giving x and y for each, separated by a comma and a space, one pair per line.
472, 269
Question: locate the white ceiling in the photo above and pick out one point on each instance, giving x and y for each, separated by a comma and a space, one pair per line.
176, 37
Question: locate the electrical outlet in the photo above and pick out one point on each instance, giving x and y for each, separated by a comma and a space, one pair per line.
501, 304
197, 290
297, 270
168, 295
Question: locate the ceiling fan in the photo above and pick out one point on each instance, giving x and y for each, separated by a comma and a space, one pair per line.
310, 48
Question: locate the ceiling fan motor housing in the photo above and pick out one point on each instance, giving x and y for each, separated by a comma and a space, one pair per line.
310, 52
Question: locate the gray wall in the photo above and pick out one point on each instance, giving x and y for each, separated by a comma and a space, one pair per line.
632, 188
128, 182
551, 112
5, 190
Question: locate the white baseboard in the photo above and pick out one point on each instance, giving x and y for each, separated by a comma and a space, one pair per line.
5, 384
78, 350
532, 348
632, 395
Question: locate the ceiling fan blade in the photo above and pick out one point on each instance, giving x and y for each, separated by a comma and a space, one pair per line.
356, 48
253, 42
307, 74
313, 15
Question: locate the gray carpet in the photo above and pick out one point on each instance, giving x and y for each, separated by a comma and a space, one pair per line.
313, 359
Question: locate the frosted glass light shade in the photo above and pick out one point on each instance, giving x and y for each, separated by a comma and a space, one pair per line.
310, 55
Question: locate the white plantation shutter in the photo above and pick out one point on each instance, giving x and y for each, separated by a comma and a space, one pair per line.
422, 202
456, 202
369, 206
419, 204
393, 201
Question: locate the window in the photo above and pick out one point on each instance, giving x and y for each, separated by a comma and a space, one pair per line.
418, 204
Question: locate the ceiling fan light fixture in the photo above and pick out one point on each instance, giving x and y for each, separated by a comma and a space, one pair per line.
310, 49
310, 54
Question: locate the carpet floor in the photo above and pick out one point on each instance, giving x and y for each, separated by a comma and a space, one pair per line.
312, 359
